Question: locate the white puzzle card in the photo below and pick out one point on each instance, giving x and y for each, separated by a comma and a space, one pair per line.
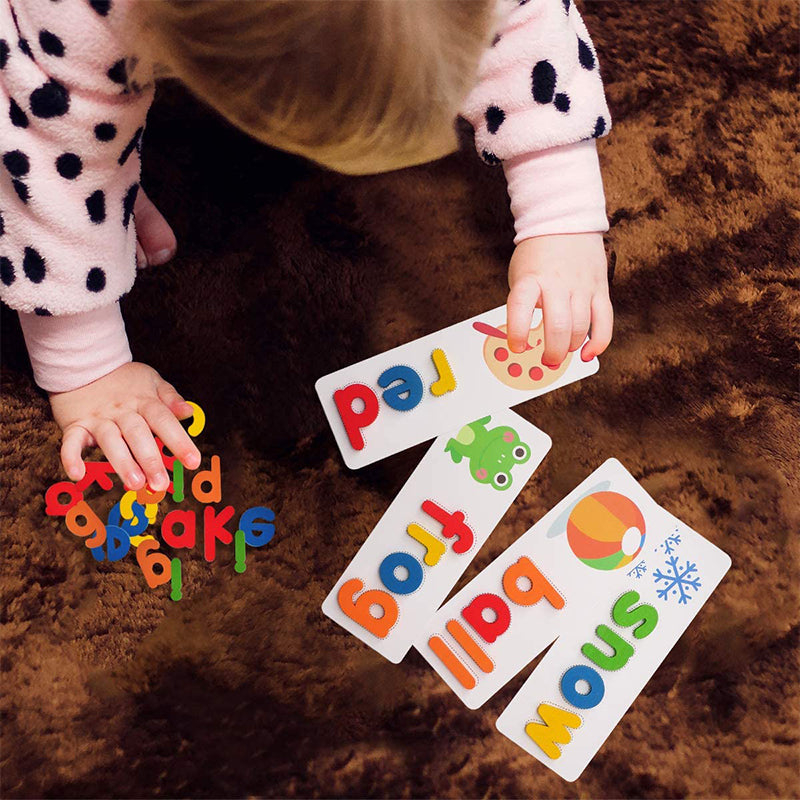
605, 655
410, 394
576, 557
432, 530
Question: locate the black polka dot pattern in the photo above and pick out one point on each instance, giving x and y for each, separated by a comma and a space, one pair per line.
102, 7
128, 203
565, 3
4, 51
561, 102
25, 47
21, 189
96, 280
130, 147
585, 55
494, 118
17, 116
543, 82
42, 312
2, 225
96, 206
496, 39
105, 132
51, 44
7, 274
599, 127
118, 73
17, 163
50, 100
69, 166
33, 265
490, 158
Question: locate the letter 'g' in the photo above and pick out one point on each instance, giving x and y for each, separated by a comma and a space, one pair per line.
353, 420
359, 611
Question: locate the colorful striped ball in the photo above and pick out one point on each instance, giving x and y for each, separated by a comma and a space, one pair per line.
606, 530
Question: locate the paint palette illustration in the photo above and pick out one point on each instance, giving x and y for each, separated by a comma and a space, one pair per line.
524, 370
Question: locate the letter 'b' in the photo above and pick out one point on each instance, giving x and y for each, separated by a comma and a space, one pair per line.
359, 611
488, 631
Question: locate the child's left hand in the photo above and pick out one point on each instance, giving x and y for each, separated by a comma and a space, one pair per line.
566, 276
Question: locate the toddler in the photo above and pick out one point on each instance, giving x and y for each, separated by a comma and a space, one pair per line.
359, 86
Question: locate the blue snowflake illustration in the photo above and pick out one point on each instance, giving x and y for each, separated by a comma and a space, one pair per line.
670, 543
638, 570
677, 580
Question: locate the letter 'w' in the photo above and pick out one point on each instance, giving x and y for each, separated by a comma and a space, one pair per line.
556, 722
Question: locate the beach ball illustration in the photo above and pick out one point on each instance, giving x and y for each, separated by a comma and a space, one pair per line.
606, 530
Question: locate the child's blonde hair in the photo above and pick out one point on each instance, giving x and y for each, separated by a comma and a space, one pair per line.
357, 85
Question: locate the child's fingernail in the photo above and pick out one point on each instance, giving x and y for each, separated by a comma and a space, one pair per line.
135, 478
160, 257
193, 461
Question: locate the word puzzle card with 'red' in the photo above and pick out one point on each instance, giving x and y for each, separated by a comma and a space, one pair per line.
410, 394
604, 657
607, 538
432, 530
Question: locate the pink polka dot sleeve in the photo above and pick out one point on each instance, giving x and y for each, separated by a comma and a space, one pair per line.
72, 115
537, 108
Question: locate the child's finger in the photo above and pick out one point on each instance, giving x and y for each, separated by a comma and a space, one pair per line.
557, 326
171, 432
155, 235
522, 299
75, 439
170, 397
581, 308
109, 440
139, 438
602, 327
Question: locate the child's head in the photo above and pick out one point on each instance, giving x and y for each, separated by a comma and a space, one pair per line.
357, 85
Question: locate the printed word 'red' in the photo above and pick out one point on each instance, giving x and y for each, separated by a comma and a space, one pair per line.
403, 390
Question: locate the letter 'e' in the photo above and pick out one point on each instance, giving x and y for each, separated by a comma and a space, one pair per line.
402, 387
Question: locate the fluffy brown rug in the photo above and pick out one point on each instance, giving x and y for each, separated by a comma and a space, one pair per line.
286, 273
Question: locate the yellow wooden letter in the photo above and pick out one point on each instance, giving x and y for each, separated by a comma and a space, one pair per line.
554, 730
434, 548
447, 381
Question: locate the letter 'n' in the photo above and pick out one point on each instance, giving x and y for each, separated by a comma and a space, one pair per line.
553, 730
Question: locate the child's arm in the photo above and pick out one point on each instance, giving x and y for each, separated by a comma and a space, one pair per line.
537, 109
70, 133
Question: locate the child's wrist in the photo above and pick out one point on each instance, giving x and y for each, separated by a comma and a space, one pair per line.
557, 191
68, 352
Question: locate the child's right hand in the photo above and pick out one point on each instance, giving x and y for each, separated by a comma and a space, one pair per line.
119, 413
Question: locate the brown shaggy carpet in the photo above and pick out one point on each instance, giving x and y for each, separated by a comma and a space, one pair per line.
287, 272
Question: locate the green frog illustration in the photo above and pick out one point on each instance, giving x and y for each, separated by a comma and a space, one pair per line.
492, 452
